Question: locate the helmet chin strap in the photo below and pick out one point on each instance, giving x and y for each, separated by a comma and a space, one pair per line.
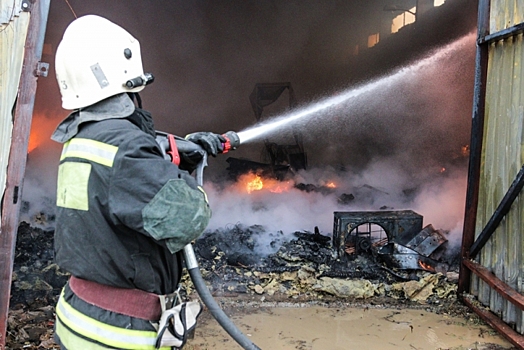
135, 96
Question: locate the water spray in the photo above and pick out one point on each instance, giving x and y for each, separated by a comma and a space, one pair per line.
280, 122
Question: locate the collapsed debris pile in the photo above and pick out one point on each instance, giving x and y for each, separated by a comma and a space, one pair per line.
250, 260
235, 261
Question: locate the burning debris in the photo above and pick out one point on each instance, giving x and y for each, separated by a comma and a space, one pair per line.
422, 252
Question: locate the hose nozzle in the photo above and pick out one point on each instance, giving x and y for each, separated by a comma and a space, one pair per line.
232, 141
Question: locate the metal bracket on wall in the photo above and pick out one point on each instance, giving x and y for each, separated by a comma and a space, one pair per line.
26, 5
42, 68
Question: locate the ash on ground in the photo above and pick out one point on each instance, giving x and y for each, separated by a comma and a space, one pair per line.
246, 262
37, 282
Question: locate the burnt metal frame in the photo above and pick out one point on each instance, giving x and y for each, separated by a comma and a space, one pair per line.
11, 200
401, 225
470, 247
254, 97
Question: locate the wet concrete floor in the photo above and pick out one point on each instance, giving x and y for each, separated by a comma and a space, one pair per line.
319, 328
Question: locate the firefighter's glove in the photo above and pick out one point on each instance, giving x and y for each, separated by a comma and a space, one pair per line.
189, 160
212, 143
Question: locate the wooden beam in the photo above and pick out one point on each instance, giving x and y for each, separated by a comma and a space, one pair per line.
18, 152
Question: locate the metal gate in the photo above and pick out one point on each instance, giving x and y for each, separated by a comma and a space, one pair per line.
492, 272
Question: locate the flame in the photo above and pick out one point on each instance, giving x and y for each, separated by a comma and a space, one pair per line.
38, 134
33, 143
280, 187
42, 126
465, 150
331, 185
442, 170
426, 267
255, 185
254, 182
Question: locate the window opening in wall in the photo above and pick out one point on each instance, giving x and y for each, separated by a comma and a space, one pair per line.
403, 19
373, 39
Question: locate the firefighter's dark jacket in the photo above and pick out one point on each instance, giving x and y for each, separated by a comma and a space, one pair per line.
123, 212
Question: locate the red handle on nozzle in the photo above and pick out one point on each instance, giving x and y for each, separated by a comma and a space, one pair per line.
232, 141
226, 146
173, 150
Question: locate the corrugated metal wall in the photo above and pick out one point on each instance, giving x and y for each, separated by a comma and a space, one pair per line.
502, 159
13, 32
505, 14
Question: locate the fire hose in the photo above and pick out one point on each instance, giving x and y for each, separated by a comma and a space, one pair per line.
173, 146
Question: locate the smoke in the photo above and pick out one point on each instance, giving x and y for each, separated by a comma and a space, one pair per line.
443, 203
381, 186
288, 211
40, 186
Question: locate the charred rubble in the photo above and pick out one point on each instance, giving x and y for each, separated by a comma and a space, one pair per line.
36, 285
37, 280
252, 260
247, 261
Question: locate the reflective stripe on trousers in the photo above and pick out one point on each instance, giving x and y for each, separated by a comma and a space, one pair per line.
76, 331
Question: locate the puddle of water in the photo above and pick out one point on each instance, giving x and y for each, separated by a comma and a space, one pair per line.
316, 328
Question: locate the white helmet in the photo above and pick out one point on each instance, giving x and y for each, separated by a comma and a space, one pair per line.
95, 60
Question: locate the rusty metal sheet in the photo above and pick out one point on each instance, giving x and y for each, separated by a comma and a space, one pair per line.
427, 241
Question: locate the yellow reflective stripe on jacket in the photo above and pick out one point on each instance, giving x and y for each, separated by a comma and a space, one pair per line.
72, 341
94, 151
104, 333
72, 185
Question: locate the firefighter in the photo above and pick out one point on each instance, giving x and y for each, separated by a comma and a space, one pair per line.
123, 212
